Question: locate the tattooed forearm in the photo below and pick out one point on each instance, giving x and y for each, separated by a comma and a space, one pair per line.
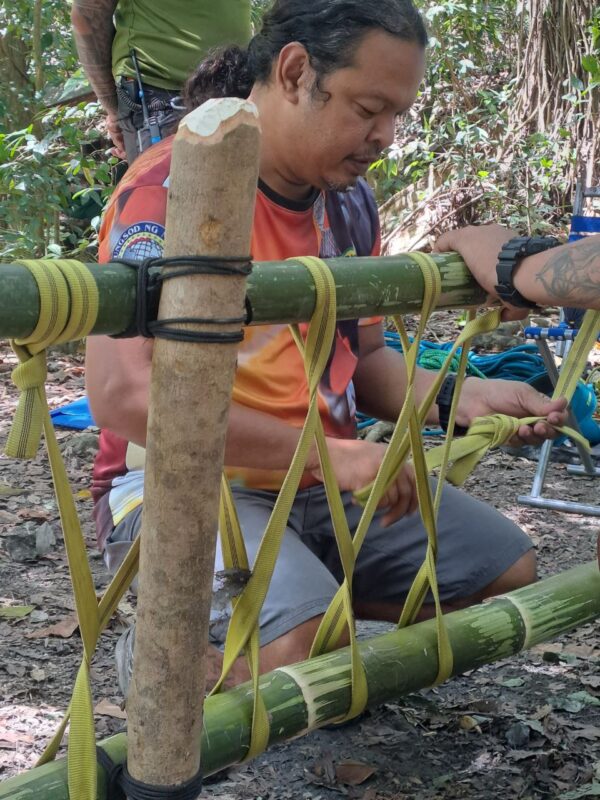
94, 32
572, 275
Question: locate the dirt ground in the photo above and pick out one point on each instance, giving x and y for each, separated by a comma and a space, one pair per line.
528, 727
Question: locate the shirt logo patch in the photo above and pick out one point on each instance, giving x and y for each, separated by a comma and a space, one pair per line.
140, 241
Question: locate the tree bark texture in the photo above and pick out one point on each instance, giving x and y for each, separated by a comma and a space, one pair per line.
209, 213
556, 37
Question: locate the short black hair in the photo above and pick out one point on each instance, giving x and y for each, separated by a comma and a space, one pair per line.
329, 30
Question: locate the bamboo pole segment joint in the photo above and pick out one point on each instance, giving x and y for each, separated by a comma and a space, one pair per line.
396, 663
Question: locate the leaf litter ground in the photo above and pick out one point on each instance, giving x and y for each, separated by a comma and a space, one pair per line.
527, 727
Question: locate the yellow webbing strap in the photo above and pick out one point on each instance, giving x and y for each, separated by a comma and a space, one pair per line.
244, 618
68, 310
486, 433
340, 615
407, 433
235, 556
572, 369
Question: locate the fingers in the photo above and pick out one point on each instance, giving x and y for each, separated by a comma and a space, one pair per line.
557, 406
444, 243
119, 144
118, 152
116, 134
512, 314
536, 404
535, 435
401, 498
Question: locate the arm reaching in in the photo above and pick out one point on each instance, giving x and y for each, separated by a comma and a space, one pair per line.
118, 387
568, 275
380, 383
94, 32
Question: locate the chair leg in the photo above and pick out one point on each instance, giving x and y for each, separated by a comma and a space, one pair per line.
587, 467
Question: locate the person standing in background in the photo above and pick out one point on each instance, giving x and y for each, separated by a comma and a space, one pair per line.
167, 39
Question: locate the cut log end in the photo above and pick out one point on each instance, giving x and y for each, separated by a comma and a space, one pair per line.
216, 117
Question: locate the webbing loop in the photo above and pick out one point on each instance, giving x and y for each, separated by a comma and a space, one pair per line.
243, 627
489, 432
68, 310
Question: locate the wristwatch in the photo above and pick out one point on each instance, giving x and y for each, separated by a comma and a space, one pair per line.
444, 404
511, 255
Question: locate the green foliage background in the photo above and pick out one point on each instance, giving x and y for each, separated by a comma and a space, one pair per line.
54, 171
460, 147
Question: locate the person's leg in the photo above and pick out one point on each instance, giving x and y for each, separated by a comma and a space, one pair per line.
286, 649
300, 591
480, 554
301, 587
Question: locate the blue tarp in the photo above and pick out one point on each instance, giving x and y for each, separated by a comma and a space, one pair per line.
74, 415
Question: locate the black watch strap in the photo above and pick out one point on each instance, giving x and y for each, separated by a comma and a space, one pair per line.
444, 404
509, 258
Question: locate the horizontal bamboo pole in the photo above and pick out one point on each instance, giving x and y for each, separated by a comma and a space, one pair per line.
279, 291
305, 696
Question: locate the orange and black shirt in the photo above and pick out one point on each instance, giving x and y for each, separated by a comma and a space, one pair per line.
270, 374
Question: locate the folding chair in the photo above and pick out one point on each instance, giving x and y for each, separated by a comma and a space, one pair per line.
564, 334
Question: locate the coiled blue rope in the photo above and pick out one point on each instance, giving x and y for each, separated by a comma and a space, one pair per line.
520, 363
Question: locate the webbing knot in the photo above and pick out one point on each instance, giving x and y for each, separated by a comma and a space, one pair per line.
68, 310
30, 373
498, 428
484, 434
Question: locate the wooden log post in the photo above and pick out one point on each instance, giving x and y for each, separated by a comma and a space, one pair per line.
210, 210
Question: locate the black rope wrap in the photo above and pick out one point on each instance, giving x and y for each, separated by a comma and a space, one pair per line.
121, 786
149, 286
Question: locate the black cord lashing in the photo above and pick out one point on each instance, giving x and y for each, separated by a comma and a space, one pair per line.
149, 284
121, 786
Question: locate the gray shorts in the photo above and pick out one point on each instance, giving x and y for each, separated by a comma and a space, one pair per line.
476, 544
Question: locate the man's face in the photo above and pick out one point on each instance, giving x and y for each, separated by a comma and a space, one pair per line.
333, 135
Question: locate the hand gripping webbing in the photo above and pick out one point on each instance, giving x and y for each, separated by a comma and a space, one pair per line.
486, 433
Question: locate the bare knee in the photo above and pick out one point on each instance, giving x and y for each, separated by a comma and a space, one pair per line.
293, 646
522, 573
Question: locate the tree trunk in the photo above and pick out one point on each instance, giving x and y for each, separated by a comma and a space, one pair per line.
37, 46
15, 85
555, 94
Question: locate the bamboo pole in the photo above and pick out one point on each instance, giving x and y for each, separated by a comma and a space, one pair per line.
210, 210
279, 291
305, 696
